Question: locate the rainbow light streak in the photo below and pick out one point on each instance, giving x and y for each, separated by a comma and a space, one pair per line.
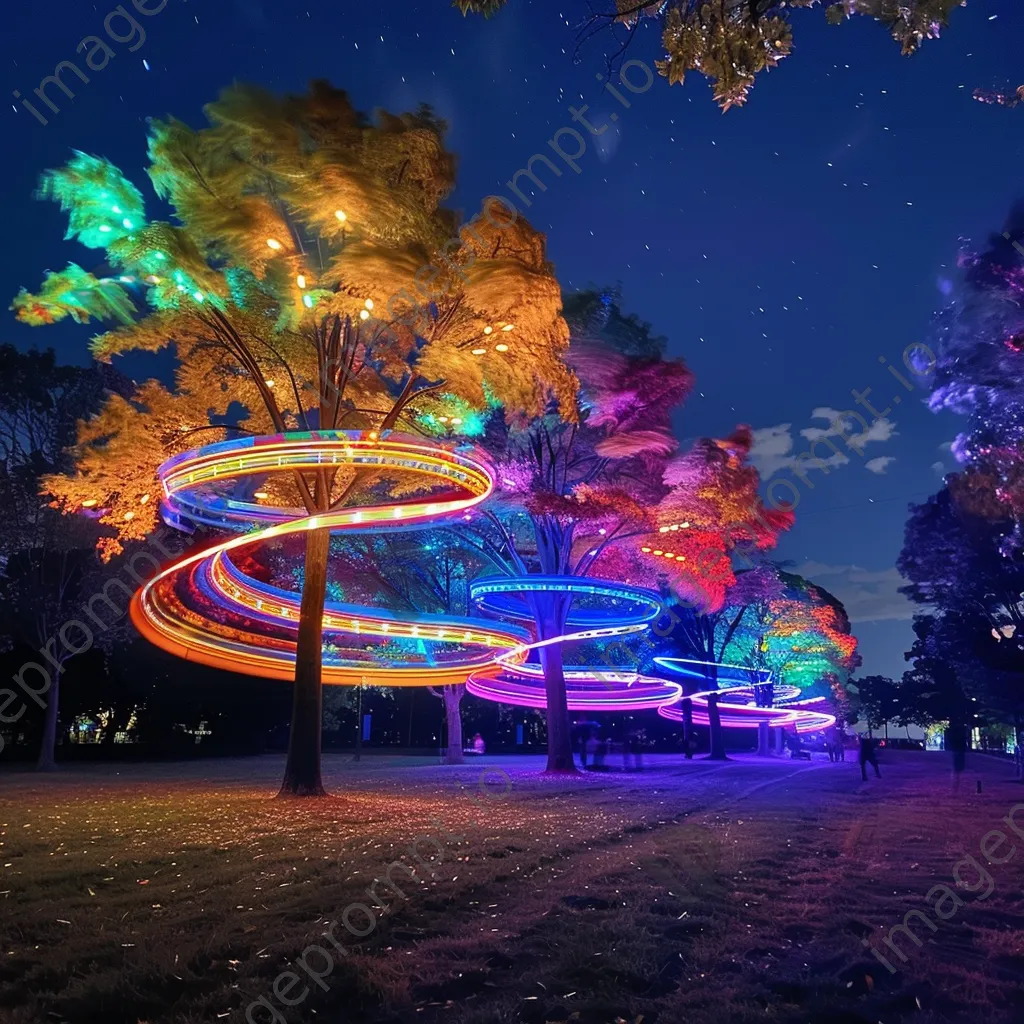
266, 646
260, 622
626, 610
736, 704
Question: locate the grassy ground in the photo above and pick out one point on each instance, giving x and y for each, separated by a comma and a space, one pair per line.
697, 892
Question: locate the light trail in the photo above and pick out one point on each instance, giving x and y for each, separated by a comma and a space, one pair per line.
205, 608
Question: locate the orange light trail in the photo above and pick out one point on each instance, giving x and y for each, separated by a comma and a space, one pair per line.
165, 620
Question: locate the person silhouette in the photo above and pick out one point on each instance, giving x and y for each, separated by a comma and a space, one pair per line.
866, 755
956, 743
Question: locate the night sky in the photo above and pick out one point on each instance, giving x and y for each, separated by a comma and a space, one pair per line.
784, 248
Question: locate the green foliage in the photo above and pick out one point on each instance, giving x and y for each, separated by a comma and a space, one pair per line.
76, 293
102, 205
309, 279
801, 633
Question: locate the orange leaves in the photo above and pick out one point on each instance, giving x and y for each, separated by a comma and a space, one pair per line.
626, 444
314, 279
118, 453
712, 508
813, 633
592, 504
695, 561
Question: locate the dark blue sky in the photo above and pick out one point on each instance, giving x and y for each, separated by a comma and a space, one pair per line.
784, 248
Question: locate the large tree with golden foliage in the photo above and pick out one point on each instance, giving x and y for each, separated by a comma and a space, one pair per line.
731, 41
313, 280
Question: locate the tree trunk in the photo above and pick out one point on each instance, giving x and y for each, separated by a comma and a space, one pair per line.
302, 771
764, 697
453, 713
762, 739
687, 727
717, 737
715, 724
48, 747
560, 757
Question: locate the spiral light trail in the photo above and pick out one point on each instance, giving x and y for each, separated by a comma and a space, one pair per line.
205, 608
254, 630
623, 610
737, 698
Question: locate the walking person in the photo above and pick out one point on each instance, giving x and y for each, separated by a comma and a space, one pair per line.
956, 742
635, 739
867, 756
581, 742
832, 743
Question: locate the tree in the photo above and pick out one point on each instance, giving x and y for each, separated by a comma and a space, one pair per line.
487, 8
963, 551
45, 551
978, 370
731, 41
707, 634
594, 488
41, 590
40, 405
704, 633
801, 634
956, 559
422, 574
944, 682
793, 629
297, 216
877, 699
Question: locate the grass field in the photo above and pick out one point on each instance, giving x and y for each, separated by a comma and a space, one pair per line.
698, 892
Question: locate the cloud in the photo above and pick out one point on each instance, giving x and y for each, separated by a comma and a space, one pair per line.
939, 468
868, 595
879, 464
772, 452
773, 449
842, 424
